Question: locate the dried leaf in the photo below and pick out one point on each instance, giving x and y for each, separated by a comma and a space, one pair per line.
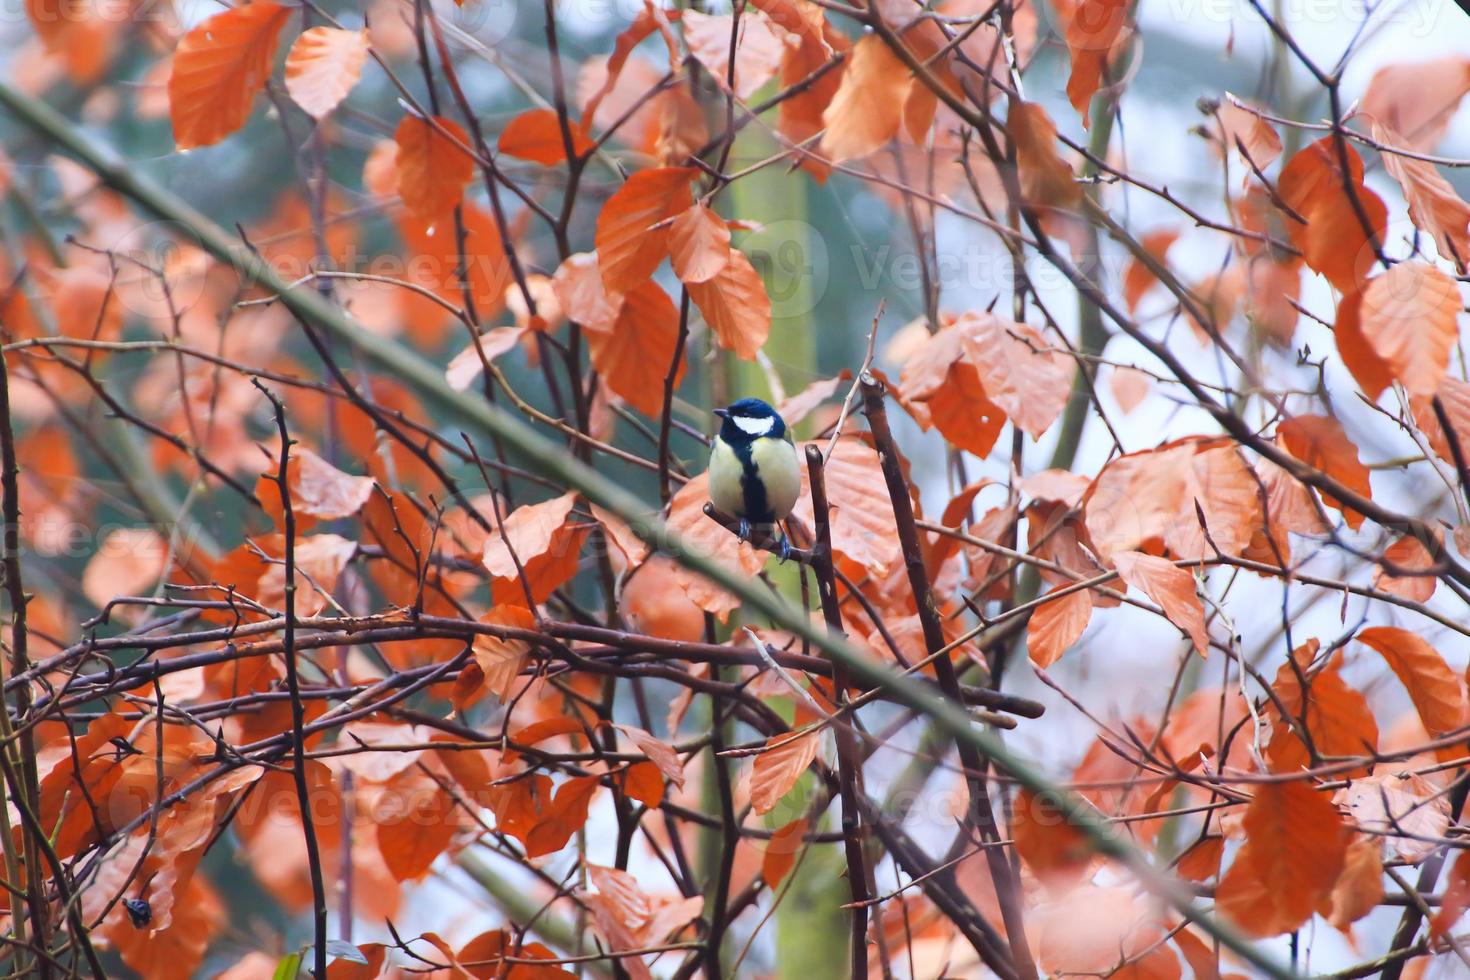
537, 135
868, 107
543, 542
1334, 241
1019, 370
1401, 560
324, 64
1171, 587
1338, 719
1432, 686
1247, 134
635, 353
699, 245
629, 248
759, 48
735, 305
433, 168
218, 68
1408, 317
781, 852
1046, 181
1094, 28
1056, 625
1417, 99
1320, 442
777, 769
1137, 277
1057, 852
1296, 845
1434, 206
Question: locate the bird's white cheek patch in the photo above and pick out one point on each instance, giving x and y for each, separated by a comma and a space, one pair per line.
756, 427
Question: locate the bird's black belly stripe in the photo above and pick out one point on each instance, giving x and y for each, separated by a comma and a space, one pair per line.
757, 506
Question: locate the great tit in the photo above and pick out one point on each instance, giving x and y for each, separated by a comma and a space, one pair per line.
754, 474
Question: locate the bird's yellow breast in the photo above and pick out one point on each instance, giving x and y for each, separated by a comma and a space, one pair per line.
777, 467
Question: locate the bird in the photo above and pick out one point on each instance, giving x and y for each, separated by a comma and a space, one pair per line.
754, 473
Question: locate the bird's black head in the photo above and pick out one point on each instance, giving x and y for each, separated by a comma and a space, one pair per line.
750, 419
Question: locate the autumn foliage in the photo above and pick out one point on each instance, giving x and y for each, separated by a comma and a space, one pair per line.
365, 614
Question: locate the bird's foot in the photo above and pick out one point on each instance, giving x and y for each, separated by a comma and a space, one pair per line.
744, 530
785, 552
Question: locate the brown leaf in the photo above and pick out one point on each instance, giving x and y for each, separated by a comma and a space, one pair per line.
1358, 356
643, 782
1407, 555
1046, 181
544, 543
1408, 317
500, 660
1320, 442
1056, 625
759, 48
704, 536
127, 562
1333, 241
1245, 133
318, 489
324, 64
1137, 278
1338, 719
862, 512
1418, 98
1296, 845
1019, 369
629, 248
433, 168
218, 68
661, 755
1456, 896
699, 245
941, 389
578, 286
1171, 587
736, 306
1359, 888
1432, 686
777, 769
536, 135
1407, 812
635, 353
468, 365
1094, 28
415, 820
653, 601
781, 852
1454, 396
868, 107
1434, 206
1056, 852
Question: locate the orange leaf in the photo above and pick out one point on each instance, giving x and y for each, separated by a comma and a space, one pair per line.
1454, 396
1401, 560
735, 305
1202, 860
415, 822
433, 169
468, 365
941, 389
699, 245
629, 248
536, 135
1137, 279
1095, 26
661, 755
565, 816
700, 534
635, 353
1019, 370
1056, 851
778, 768
1432, 686
862, 513
318, 489
127, 562
1434, 207
759, 48
1418, 99
1358, 356
323, 65
868, 107
1056, 625
1338, 719
578, 287
1408, 316
1320, 442
547, 548
643, 782
1247, 134
1171, 587
781, 851
498, 660
1359, 888
1333, 241
1219, 484
654, 602
435, 258
218, 68
1046, 180
1296, 844
1456, 896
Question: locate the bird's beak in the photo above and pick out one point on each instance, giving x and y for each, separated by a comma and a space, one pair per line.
723, 413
